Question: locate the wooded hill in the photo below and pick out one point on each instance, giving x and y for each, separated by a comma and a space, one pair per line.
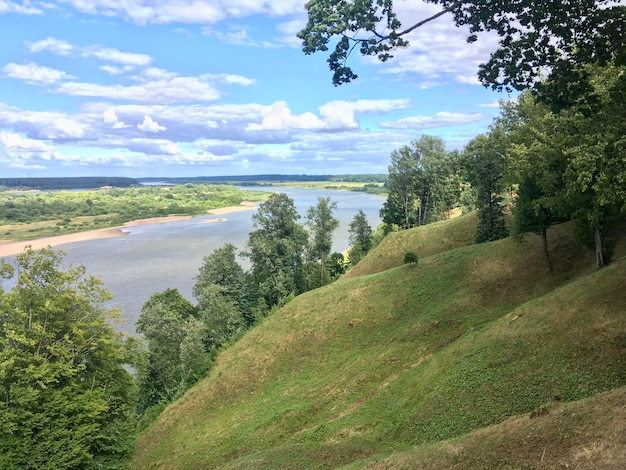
475, 357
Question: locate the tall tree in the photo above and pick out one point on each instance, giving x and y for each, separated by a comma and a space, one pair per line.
537, 167
421, 183
592, 130
400, 206
322, 224
486, 166
163, 323
573, 158
535, 37
221, 268
360, 237
66, 400
276, 249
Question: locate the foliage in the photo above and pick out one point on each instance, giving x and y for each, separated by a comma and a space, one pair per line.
67, 401
422, 184
486, 165
163, 323
57, 183
221, 268
360, 238
410, 258
276, 249
118, 205
569, 163
322, 224
535, 37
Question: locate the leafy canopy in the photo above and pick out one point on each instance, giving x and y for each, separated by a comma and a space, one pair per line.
535, 36
66, 400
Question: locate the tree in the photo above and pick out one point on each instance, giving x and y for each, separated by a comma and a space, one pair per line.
66, 400
220, 318
535, 36
536, 167
221, 268
399, 208
163, 323
592, 131
486, 166
360, 237
421, 186
322, 224
276, 249
571, 161
336, 265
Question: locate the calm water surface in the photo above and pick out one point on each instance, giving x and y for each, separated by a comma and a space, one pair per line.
152, 258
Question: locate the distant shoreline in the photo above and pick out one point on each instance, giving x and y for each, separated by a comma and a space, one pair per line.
14, 248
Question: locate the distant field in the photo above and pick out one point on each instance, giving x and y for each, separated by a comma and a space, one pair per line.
33, 214
374, 188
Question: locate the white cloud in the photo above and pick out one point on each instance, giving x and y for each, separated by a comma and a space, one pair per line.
41, 125
7, 6
148, 125
342, 114
185, 11
109, 117
230, 79
19, 152
114, 70
441, 119
57, 46
107, 54
34, 74
438, 53
279, 116
114, 55
239, 37
175, 90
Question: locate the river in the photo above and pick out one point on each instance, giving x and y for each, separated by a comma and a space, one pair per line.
152, 258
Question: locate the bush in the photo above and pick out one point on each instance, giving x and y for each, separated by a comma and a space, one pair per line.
410, 258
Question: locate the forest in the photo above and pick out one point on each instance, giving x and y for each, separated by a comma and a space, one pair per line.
60, 183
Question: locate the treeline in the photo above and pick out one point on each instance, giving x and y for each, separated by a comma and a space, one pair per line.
121, 204
265, 179
59, 183
541, 163
287, 258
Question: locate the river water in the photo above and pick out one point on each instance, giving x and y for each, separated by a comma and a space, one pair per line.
152, 258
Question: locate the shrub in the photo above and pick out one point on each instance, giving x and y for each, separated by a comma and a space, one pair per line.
410, 258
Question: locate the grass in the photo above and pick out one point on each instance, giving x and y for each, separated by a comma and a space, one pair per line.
405, 366
48, 228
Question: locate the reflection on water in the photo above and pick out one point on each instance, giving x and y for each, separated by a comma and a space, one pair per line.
152, 258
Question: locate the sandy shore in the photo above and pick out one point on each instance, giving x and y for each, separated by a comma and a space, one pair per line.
13, 248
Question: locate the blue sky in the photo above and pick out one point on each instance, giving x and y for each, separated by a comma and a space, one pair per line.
191, 88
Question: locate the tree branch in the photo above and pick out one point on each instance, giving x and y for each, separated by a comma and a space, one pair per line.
420, 23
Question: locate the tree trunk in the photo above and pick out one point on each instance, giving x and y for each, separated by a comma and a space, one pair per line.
406, 213
597, 238
544, 238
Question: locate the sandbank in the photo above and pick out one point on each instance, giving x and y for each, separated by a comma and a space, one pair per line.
244, 206
13, 248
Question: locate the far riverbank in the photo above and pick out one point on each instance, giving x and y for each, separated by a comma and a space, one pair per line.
10, 248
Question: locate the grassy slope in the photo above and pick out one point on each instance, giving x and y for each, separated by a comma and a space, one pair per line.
388, 369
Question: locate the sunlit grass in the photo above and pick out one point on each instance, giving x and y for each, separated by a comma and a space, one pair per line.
411, 361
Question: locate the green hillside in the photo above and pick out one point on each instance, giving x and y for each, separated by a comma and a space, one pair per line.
427, 366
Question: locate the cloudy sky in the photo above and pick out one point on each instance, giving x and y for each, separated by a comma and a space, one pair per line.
219, 87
